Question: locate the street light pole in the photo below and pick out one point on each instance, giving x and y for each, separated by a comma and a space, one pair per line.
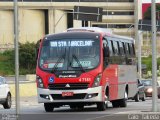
154, 58
16, 35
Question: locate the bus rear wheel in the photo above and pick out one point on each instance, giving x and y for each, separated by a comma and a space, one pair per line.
49, 107
123, 102
115, 103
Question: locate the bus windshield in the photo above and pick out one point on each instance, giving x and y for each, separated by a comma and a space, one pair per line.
69, 54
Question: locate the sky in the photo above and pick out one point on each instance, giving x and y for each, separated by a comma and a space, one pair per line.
149, 1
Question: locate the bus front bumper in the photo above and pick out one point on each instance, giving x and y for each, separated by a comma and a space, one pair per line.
55, 96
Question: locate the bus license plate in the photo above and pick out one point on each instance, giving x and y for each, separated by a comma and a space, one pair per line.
67, 94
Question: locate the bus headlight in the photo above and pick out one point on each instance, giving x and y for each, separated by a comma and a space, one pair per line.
40, 82
97, 80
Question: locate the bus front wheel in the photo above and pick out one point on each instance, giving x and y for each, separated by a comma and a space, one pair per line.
49, 107
101, 106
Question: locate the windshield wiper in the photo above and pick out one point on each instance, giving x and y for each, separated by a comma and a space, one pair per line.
55, 67
77, 60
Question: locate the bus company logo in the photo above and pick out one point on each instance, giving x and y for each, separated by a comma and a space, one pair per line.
67, 85
51, 79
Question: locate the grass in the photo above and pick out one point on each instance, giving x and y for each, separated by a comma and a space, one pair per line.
6, 66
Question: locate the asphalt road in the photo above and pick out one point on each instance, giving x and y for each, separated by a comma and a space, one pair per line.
31, 110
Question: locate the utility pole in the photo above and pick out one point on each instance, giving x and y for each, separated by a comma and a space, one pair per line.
154, 57
139, 54
16, 36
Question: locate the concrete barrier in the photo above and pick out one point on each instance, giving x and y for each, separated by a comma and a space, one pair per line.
26, 89
31, 77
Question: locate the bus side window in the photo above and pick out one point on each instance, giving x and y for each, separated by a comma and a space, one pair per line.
131, 49
110, 47
121, 48
106, 53
115, 45
127, 49
119, 51
124, 48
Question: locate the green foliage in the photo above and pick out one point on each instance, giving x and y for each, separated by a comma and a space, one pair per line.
27, 55
7, 62
27, 60
148, 62
147, 14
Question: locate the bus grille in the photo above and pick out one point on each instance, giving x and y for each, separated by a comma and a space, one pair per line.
75, 96
70, 86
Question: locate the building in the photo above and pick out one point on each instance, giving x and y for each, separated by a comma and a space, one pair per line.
40, 17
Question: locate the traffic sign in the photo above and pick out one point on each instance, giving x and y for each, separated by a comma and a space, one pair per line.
88, 13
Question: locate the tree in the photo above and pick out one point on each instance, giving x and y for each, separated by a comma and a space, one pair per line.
27, 55
147, 14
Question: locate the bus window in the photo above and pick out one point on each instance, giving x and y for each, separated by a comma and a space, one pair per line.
119, 51
132, 45
121, 48
129, 49
115, 48
110, 47
126, 48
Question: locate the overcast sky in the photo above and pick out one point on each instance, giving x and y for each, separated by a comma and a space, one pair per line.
149, 1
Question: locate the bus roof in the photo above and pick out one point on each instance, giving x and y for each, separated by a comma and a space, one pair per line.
104, 31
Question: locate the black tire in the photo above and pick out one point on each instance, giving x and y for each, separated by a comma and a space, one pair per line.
115, 103
123, 102
73, 106
80, 107
8, 102
101, 106
49, 107
137, 97
144, 97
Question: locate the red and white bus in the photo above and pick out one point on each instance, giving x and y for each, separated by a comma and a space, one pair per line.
86, 66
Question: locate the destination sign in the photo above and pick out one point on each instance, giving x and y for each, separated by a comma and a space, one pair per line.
71, 43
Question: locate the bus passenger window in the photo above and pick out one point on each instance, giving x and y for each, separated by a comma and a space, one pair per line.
115, 48
119, 52
129, 49
121, 48
126, 48
110, 47
132, 45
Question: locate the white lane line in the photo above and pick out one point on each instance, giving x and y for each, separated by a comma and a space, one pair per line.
100, 117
